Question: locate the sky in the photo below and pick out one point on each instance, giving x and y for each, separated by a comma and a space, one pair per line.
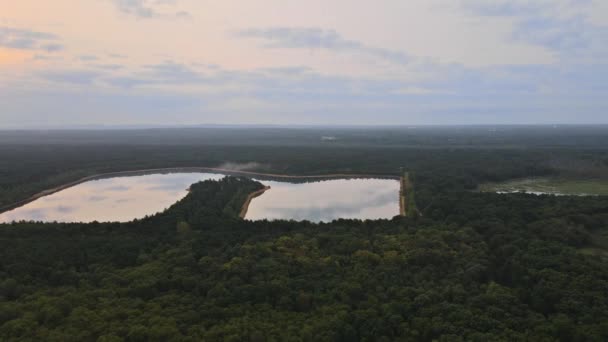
317, 62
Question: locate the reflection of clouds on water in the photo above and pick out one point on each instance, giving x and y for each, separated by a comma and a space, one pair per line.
39, 214
328, 200
65, 209
52, 199
110, 199
127, 198
97, 198
334, 210
166, 187
170, 182
382, 199
313, 213
175, 182
117, 188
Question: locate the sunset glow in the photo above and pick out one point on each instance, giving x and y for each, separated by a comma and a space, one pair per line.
314, 62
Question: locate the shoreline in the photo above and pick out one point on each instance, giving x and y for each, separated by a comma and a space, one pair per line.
228, 172
250, 198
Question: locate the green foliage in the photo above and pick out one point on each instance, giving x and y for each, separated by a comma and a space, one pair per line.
477, 267
183, 228
443, 159
551, 186
471, 267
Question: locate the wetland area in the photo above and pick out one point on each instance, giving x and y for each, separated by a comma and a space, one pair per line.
550, 186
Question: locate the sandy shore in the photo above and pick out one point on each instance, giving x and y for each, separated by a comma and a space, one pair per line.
251, 196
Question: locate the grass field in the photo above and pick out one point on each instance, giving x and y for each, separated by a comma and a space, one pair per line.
550, 186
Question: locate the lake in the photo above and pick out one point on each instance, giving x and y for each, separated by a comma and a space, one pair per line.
124, 198
327, 200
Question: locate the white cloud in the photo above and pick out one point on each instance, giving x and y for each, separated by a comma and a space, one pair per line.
150, 8
318, 38
390, 61
24, 39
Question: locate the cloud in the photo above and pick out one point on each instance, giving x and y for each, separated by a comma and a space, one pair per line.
65, 209
449, 94
117, 188
502, 8
150, 8
299, 84
562, 26
117, 56
111, 67
293, 70
183, 15
28, 40
79, 77
170, 70
282, 84
165, 73
97, 198
137, 8
88, 58
265, 81
317, 38
555, 34
465, 97
42, 57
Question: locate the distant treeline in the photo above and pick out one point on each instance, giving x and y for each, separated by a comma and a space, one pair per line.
28, 169
497, 136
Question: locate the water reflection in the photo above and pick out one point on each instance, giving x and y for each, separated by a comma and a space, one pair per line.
327, 200
112, 199
127, 198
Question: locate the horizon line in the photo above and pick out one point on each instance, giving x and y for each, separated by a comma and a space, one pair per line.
301, 126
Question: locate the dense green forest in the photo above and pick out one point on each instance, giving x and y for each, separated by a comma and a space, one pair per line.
480, 267
442, 158
471, 267
28, 169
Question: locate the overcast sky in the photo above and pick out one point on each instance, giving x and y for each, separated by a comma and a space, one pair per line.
168, 62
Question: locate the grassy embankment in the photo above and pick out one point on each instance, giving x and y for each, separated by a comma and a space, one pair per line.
550, 186
407, 204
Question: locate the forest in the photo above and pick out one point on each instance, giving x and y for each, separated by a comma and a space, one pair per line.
470, 267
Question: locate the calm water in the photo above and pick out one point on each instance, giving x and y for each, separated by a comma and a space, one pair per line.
127, 198
327, 200
113, 199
